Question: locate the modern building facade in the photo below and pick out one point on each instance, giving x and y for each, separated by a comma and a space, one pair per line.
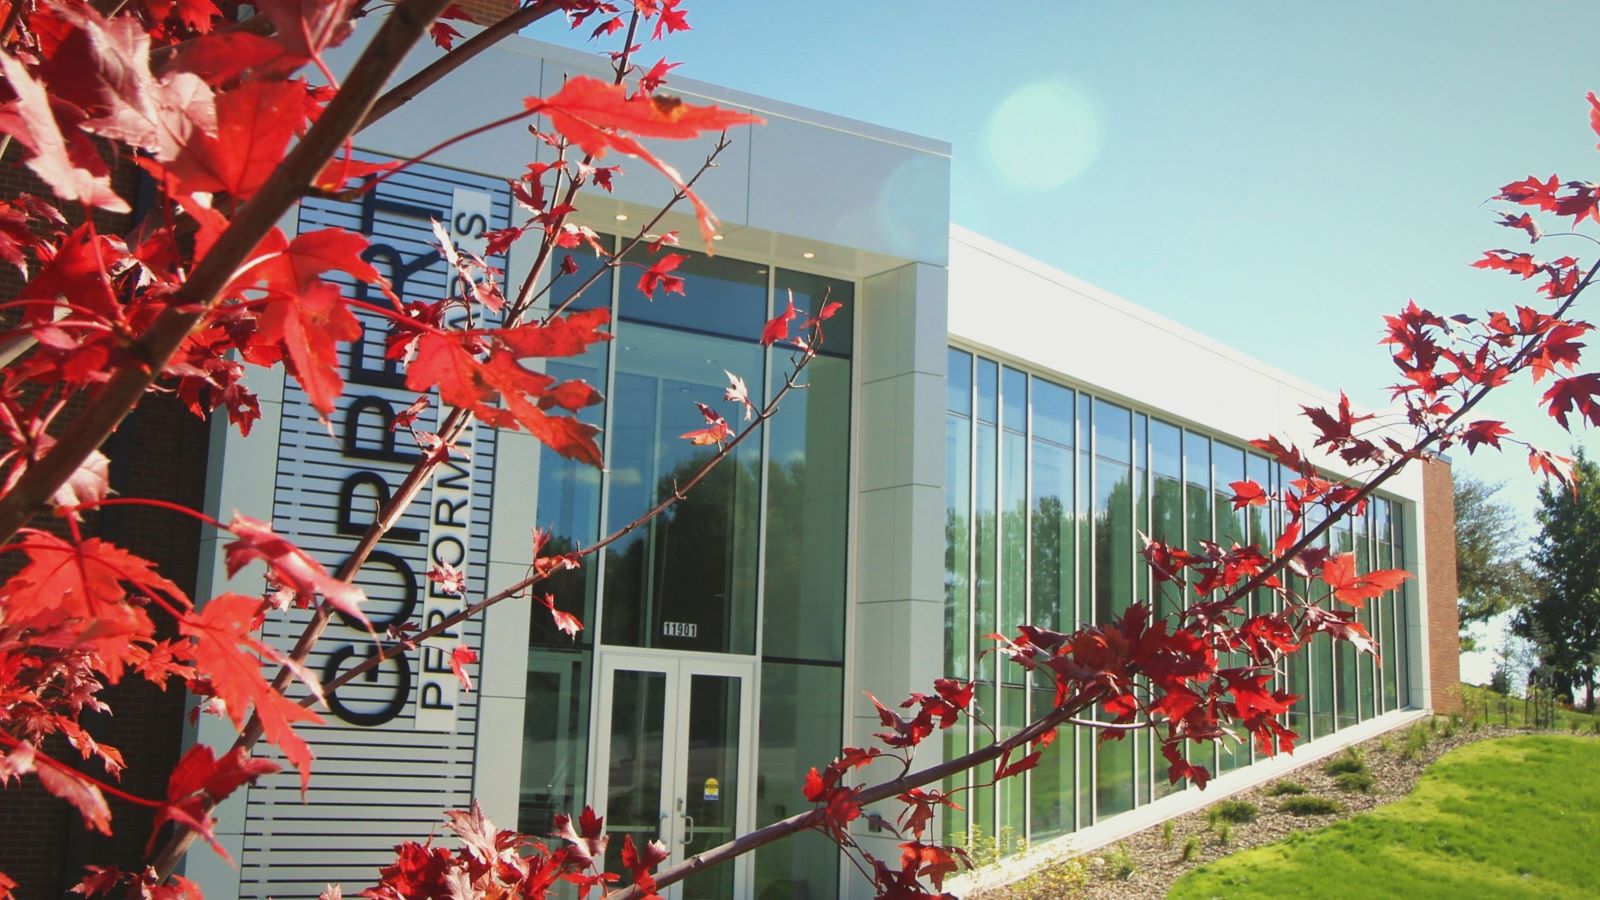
952, 469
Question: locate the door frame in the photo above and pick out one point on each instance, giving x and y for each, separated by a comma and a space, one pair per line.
679, 667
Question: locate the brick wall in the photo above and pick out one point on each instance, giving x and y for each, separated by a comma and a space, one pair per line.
159, 452
485, 12
1439, 543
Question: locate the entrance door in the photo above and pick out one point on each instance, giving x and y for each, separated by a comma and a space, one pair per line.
673, 760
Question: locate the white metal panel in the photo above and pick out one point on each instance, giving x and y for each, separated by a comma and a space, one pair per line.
390, 755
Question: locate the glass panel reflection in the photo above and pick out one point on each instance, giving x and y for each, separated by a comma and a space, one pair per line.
712, 776
555, 738
808, 485
633, 783
685, 580
801, 722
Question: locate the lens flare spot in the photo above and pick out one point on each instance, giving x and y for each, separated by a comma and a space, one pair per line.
1042, 136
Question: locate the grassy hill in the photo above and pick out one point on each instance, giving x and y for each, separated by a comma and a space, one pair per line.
1511, 817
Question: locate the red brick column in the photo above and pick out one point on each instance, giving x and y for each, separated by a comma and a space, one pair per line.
1439, 546
487, 12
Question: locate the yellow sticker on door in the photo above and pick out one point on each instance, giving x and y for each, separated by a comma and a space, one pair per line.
713, 790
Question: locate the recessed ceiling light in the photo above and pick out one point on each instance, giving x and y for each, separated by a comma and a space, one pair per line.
622, 217
809, 255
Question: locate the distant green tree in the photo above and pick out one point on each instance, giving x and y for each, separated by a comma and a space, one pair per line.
1491, 576
1563, 618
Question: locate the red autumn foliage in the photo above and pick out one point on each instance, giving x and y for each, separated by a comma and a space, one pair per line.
234, 124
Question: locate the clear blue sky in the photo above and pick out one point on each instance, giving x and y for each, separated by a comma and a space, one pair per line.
1277, 175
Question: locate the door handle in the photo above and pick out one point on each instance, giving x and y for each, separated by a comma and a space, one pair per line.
688, 822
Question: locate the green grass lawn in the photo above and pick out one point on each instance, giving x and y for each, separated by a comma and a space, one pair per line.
1514, 817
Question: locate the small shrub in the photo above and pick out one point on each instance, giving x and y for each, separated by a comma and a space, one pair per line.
1348, 762
1190, 848
1309, 805
1451, 725
1386, 745
1416, 742
1166, 832
1064, 879
1433, 724
1355, 782
1121, 862
1225, 833
1286, 789
1236, 811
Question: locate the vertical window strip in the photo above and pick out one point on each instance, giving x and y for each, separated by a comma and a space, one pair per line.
1013, 467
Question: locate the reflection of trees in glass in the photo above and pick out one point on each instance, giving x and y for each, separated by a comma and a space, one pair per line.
803, 610
1052, 563
1113, 540
957, 544
695, 563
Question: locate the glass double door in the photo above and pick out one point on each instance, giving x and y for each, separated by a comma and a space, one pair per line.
673, 760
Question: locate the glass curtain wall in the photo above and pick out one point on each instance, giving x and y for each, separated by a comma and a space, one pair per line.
1046, 490
755, 556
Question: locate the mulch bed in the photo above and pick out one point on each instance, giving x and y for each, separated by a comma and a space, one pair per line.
1158, 862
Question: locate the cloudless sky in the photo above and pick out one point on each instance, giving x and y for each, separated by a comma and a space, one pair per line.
1278, 175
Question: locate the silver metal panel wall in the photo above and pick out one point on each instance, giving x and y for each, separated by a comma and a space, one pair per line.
397, 748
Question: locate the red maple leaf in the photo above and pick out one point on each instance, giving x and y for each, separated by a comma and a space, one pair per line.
777, 327
67, 163
1549, 464
1558, 347
1484, 431
658, 276
1247, 493
255, 122
290, 566
641, 859
598, 116
85, 796
309, 326
1339, 624
1594, 114
1516, 263
1582, 203
1339, 572
1289, 457
565, 622
450, 361
443, 34
198, 771
231, 659
651, 80
305, 28
106, 70
671, 19
715, 432
86, 583
1577, 392
461, 657
1532, 192
1524, 222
